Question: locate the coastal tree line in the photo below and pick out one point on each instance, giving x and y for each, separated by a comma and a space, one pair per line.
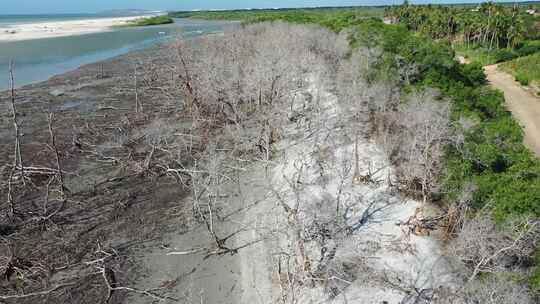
489, 25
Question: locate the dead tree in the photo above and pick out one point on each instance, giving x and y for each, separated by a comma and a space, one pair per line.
54, 148
484, 247
17, 155
138, 105
416, 136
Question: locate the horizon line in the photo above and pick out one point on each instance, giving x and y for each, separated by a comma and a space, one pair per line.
268, 8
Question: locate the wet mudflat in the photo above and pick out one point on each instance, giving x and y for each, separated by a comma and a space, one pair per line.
108, 200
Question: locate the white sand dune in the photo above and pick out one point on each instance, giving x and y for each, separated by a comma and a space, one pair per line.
386, 262
30, 31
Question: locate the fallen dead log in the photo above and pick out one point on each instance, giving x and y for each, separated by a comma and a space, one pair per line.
418, 224
40, 171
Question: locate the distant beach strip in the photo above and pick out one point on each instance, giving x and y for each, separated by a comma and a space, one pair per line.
62, 28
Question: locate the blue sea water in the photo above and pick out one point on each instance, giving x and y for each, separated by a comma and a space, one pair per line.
7, 20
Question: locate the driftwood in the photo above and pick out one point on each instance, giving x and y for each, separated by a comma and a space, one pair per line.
418, 224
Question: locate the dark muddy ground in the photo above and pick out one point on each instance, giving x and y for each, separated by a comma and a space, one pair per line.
79, 244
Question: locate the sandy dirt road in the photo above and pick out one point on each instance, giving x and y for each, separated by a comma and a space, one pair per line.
524, 105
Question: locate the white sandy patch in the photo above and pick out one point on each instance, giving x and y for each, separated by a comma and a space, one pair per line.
315, 172
30, 31
313, 169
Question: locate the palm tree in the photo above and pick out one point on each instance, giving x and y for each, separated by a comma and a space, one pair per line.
515, 31
492, 25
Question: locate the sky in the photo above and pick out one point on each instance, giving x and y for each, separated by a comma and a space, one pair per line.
92, 6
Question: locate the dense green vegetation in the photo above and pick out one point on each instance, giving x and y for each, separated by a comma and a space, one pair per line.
489, 33
294, 14
157, 20
525, 69
489, 25
504, 173
493, 158
491, 162
334, 18
485, 56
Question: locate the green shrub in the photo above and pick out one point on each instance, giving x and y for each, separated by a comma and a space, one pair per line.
502, 55
529, 48
157, 20
523, 79
473, 73
475, 53
525, 69
516, 196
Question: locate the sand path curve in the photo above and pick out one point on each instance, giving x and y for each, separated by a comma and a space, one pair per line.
523, 105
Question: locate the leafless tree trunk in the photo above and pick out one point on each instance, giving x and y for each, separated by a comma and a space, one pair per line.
57, 158
138, 105
17, 155
357, 178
